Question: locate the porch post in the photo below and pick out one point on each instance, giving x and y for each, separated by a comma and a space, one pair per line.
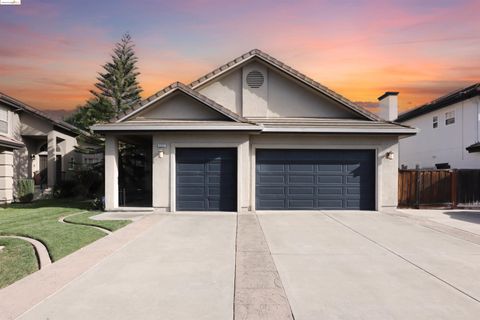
51, 158
111, 172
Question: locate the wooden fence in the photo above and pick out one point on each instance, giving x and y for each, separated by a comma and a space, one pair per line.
438, 188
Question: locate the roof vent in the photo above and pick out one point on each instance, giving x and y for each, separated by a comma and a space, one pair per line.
255, 79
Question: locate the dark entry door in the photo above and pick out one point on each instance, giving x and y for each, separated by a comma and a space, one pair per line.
315, 179
206, 179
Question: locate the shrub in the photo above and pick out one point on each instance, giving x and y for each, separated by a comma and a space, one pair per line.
25, 190
65, 189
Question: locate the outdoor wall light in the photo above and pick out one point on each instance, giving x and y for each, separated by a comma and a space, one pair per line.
161, 148
389, 155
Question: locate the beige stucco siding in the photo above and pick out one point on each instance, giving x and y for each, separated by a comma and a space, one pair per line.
227, 91
280, 96
180, 107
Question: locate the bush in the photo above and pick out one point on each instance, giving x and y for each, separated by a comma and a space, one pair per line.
65, 189
83, 184
25, 190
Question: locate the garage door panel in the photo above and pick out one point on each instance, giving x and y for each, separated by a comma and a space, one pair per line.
300, 204
191, 179
276, 179
271, 191
326, 191
191, 191
273, 167
333, 179
190, 167
309, 168
315, 179
272, 204
206, 179
329, 167
300, 179
301, 191
330, 204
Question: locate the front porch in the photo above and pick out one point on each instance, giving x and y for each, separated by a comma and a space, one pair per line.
44, 159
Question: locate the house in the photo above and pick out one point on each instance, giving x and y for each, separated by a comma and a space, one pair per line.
449, 132
253, 134
32, 145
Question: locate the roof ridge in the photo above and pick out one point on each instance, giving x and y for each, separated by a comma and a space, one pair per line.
289, 70
177, 85
26, 107
442, 101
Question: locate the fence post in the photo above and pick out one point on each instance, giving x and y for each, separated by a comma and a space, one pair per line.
454, 186
417, 191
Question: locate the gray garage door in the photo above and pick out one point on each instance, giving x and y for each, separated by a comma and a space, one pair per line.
206, 179
315, 179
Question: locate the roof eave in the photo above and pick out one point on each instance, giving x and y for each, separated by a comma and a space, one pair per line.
114, 128
399, 131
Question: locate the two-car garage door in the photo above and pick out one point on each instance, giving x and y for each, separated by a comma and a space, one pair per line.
206, 179
315, 179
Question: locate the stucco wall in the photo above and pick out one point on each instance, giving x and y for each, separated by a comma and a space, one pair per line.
180, 107
164, 167
446, 143
279, 96
227, 91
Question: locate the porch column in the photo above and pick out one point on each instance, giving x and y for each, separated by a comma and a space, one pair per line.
51, 158
111, 172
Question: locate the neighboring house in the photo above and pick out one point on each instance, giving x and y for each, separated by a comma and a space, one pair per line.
449, 132
253, 134
32, 145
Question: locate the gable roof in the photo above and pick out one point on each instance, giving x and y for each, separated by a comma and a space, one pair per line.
175, 87
21, 106
256, 53
444, 101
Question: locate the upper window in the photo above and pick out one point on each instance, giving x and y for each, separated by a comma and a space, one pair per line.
3, 119
435, 122
450, 117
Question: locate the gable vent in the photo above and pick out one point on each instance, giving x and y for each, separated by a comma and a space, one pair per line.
255, 79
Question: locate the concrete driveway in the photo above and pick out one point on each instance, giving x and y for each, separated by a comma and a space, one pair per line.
358, 265
181, 268
322, 265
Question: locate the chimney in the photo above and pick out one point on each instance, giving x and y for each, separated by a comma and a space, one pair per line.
388, 105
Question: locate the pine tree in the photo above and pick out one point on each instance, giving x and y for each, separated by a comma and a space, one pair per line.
118, 84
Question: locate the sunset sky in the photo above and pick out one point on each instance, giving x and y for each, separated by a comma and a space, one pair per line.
50, 51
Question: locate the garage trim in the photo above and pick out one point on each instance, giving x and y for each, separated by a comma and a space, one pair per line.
253, 163
173, 169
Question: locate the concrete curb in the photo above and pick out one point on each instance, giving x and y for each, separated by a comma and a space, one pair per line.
41, 251
62, 220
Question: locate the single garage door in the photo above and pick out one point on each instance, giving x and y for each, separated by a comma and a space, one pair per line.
206, 179
315, 179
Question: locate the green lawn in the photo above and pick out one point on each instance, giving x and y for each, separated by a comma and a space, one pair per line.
39, 220
17, 260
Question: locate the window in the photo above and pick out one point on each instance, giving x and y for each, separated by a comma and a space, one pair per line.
435, 122
450, 117
3, 119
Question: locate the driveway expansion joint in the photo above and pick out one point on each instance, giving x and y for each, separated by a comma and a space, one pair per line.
404, 259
